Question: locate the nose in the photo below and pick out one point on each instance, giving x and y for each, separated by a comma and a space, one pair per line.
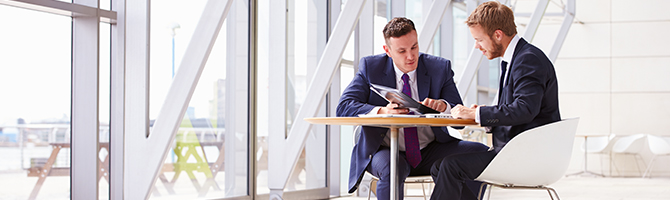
477, 46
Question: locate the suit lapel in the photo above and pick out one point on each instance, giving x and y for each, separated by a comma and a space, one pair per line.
423, 80
506, 91
389, 72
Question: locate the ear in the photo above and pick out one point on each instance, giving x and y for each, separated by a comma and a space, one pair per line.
387, 49
498, 35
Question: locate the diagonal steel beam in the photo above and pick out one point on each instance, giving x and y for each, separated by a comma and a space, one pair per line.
280, 167
569, 17
151, 150
431, 23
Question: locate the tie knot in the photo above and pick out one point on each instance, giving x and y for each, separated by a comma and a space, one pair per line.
405, 78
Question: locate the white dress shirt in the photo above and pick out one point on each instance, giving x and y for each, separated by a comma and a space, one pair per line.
425, 133
507, 57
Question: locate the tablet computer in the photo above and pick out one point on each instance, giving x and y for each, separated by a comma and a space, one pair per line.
393, 95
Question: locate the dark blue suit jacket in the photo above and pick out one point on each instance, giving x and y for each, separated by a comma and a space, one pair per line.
529, 99
434, 80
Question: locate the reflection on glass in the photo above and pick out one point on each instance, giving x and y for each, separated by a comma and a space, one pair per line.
209, 157
35, 76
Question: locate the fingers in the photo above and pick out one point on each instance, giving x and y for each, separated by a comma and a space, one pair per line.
392, 108
435, 104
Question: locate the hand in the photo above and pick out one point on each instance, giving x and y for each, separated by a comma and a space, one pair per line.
438, 105
462, 112
391, 108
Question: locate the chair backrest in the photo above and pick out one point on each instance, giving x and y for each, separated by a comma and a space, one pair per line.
599, 144
658, 145
539, 156
629, 144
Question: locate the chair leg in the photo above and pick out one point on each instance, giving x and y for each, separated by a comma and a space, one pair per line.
552, 190
370, 189
481, 188
648, 170
637, 164
488, 195
423, 189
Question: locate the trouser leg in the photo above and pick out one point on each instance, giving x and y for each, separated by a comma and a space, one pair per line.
452, 173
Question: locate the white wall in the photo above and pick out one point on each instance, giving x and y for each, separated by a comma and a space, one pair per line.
613, 73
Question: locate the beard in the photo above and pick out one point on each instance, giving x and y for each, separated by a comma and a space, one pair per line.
497, 50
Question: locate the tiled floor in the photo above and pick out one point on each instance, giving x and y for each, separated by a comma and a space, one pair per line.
587, 188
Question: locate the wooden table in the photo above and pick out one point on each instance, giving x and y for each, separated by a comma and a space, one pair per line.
393, 123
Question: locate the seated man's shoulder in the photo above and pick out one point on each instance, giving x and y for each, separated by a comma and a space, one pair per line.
376, 58
432, 58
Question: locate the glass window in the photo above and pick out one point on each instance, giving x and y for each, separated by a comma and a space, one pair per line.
209, 157
35, 72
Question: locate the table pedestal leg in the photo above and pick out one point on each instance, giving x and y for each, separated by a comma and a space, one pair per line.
585, 171
394, 163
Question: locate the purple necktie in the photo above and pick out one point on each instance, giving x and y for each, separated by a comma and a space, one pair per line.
411, 139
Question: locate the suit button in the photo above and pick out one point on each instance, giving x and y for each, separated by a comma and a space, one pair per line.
370, 156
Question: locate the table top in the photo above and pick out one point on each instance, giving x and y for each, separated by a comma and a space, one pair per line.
391, 121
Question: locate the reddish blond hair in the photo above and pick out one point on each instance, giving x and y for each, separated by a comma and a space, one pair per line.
492, 16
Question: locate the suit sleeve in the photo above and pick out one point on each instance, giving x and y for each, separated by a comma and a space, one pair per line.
354, 99
529, 86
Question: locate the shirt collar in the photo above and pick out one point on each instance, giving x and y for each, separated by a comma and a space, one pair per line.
398, 74
509, 52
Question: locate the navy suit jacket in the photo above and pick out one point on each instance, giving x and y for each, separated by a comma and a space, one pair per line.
529, 98
434, 80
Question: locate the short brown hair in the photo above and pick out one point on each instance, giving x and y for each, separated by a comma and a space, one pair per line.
398, 27
492, 16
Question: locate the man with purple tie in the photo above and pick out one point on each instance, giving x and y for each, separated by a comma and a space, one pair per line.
423, 77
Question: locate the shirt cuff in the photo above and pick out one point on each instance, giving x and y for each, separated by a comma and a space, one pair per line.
448, 110
374, 111
477, 116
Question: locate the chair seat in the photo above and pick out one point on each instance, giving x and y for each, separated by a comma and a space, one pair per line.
533, 159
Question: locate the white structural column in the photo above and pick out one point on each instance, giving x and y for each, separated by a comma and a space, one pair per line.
236, 93
117, 103
364, 39
431, 23
277, 87
334, 145
85, 124
286, 151
397, 8
152, 150
447, 34
569, 16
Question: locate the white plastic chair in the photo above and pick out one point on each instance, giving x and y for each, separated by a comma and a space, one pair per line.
601, 145
423, 180
629, 145
659, 146
533, 159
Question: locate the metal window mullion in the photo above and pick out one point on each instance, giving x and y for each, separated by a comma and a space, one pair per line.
84, 122
62, 8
